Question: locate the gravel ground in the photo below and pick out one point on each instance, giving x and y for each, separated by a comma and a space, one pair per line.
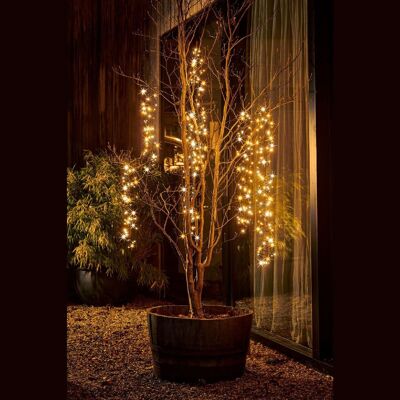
109, 357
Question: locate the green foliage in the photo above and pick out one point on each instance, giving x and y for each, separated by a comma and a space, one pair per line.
95, 214
147, 238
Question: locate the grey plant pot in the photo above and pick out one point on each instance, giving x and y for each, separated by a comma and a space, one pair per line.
98, 289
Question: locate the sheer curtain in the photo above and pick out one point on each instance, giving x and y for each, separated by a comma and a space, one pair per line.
279, 57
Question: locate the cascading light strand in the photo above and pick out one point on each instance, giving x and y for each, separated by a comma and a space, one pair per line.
198, 139
130, 175
148, 108
256, 181
129, 182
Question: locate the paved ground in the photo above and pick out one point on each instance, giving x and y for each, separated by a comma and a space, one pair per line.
109, 358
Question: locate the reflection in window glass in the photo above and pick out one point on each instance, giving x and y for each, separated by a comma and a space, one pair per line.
281, 291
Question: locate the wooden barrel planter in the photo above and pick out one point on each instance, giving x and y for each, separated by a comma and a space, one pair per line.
191, 349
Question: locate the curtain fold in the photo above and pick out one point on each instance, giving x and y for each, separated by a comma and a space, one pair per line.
279, 59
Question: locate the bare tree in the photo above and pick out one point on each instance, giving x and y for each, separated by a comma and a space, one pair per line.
226, 141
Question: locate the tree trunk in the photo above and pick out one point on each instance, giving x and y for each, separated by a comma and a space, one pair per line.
195, 290
198, 291
197, 305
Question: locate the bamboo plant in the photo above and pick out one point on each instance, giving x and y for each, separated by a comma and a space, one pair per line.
95, 216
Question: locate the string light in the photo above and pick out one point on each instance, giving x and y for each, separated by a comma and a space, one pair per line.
129, 182
198, 139
148, 108
255, 146
255, 206
256, 143
130, 177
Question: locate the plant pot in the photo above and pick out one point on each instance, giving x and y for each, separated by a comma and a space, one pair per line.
187, 350
72, 296
98, 289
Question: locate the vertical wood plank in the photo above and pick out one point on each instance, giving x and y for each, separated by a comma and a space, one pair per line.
103, 107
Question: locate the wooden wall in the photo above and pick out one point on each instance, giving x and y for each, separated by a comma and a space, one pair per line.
103, 106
